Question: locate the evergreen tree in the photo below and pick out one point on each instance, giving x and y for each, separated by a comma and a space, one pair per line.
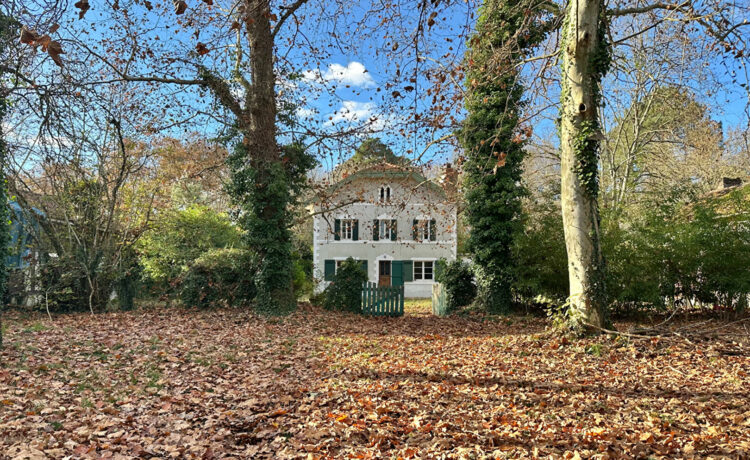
493, 143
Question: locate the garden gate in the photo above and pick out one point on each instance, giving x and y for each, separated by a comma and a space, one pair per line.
382, 300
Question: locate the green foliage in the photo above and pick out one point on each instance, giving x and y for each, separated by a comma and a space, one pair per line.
219, 277
493, 144
265, 193
181, 236
679, 254
345, 291
373, 150
303, 268
8, 28
458, 279
541, 258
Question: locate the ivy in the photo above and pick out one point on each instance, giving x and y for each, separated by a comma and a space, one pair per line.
8, 27
493, 142
265, 194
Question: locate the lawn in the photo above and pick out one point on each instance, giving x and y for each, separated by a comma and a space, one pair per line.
211, 384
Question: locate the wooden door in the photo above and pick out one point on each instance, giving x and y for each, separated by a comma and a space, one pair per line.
384, 273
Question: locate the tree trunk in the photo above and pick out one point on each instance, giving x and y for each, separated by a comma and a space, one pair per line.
585, 58
268, 222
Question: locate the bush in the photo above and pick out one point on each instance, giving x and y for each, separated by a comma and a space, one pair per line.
458, 280
541, 273
220, 277
678, 254
182, 236
345, 291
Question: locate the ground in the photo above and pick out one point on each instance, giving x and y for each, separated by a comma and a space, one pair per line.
210, 384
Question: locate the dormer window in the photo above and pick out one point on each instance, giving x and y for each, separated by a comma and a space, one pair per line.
385, 194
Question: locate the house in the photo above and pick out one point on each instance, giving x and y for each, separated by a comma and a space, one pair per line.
391, 218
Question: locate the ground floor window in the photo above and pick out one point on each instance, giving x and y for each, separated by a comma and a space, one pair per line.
423, 270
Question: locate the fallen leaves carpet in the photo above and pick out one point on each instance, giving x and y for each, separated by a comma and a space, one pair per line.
176, 383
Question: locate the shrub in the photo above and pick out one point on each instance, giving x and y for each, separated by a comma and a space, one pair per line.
345, 291
458, 280
180, 237
541, 269
220, 277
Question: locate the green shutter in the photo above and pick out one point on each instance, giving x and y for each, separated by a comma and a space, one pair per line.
364, 267
397, 273
337, 229
330, 270
433, 230
393, 230
414, 227
375, 230
355, 230
408, 270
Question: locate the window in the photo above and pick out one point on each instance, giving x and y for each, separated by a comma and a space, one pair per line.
385, 229
347, 229
423, 270
385, 194
423, 230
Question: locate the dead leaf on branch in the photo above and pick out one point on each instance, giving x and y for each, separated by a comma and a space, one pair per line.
201, 49
179, 6
83, 6
52, 47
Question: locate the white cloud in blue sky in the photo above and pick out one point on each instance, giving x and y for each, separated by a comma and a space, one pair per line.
352, 112
353, 74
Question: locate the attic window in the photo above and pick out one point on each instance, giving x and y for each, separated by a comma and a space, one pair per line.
385, 194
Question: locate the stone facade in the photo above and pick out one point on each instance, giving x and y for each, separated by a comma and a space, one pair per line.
394, 220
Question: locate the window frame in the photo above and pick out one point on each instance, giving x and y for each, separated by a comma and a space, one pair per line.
385, 194
384, 229
422, 265
346, 229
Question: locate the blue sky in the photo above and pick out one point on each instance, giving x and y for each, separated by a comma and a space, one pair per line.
343, 84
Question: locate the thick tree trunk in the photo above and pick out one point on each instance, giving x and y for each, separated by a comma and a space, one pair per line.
268, 232
584, 60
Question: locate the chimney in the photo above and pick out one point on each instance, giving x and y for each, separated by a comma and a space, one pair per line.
449, 180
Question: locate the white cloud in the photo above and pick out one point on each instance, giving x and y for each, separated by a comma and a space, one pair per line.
352, 112
353, 74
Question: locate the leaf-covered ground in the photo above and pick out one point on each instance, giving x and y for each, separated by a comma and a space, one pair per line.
188, 384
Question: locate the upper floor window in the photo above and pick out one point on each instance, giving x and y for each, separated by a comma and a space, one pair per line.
384, 229
346, 229
424, 230
385, 194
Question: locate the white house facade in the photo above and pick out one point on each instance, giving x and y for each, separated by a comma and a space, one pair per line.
393, 220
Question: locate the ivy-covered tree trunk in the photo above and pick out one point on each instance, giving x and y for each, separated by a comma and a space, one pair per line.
261, 183
493, 144
585, 60
8, 27
4, 227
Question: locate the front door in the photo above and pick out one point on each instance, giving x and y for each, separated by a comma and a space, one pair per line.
384, 273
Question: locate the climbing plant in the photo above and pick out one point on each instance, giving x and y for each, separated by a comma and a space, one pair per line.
586, 55
265, 195
493, 140
7, 29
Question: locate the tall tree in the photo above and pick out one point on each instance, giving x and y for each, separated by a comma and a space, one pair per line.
8, 26
262, 171
493, 140
585, 60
